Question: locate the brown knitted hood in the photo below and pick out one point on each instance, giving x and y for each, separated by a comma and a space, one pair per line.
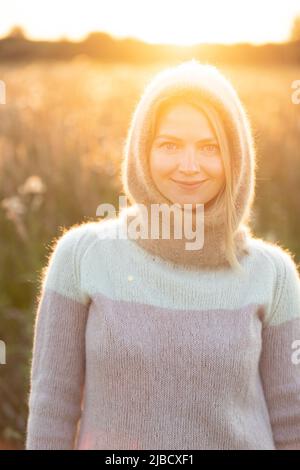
207, 82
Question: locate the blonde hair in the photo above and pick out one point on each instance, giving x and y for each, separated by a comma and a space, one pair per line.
225, 197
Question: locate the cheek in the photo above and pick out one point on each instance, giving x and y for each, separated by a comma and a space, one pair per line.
216, 168
160, 165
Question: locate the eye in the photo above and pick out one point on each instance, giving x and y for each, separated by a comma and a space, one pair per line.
210, 148
166, 144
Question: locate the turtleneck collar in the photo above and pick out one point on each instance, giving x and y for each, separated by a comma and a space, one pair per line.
212, 254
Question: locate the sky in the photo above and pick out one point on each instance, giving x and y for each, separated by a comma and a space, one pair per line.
183, 22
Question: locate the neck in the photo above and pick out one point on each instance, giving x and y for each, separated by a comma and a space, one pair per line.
184, 250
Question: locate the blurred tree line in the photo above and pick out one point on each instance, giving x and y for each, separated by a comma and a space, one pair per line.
103, 47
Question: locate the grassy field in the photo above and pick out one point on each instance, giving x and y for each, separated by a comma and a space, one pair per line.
61, 135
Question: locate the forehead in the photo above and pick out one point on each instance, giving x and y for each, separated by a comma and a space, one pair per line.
183, 119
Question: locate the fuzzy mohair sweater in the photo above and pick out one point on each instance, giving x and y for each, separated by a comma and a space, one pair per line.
131, 352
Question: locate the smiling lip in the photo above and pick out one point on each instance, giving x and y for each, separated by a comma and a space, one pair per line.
192, 185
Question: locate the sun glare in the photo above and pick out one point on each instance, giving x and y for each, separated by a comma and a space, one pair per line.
168, 21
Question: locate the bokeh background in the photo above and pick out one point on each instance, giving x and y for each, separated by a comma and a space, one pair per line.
73, 75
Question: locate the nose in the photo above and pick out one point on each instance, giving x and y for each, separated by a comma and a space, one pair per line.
189, 163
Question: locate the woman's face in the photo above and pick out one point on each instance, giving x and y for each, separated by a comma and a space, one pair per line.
185, 150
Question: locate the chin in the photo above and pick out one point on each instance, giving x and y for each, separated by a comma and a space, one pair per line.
210, 202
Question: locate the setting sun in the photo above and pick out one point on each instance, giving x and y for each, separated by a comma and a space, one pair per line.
171, 22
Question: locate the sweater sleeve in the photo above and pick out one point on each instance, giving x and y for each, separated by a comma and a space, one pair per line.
280, 357
58, 356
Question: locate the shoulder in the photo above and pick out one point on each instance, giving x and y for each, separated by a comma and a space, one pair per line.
285, 282
62, 272
279, 258
81, 237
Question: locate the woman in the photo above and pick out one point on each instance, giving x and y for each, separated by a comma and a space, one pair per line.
141, 343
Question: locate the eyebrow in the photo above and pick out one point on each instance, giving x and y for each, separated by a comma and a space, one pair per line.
173, 137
